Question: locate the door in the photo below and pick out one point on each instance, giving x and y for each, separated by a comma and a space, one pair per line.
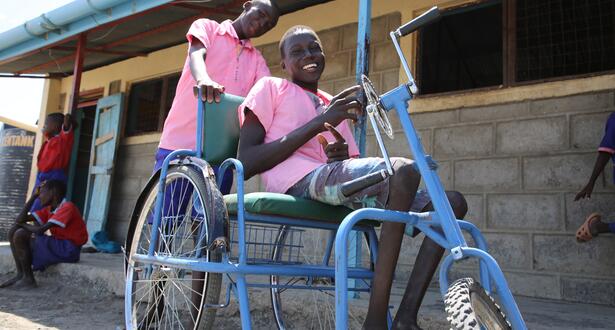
105, 139
80, 158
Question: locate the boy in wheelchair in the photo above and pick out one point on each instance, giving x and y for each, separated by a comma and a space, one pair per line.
285, 129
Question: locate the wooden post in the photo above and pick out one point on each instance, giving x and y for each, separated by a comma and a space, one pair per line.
77, 70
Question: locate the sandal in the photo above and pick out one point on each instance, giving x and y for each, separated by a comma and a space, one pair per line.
583, 233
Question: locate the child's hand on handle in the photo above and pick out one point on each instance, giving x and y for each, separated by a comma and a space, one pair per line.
335, 151
211, 90
341, 106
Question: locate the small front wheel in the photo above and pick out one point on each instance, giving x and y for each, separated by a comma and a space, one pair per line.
469, 307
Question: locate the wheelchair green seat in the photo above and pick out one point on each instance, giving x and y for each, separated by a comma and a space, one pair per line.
221, 139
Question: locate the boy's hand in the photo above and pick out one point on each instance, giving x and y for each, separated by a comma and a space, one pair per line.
68, 123
37, 190
341, 106
211, 90
586, 192
335, 151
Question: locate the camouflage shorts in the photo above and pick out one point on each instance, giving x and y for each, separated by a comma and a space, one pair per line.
323, 184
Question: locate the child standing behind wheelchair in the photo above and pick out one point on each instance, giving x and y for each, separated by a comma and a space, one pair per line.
221, 59
54, 155
285, 129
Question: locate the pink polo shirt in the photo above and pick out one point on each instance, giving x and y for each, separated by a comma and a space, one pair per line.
233, 63
282, 106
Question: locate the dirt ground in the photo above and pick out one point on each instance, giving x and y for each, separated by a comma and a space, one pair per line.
55, 304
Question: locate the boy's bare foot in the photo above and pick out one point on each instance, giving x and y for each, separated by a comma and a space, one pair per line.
409, 326
12, 281
26, 283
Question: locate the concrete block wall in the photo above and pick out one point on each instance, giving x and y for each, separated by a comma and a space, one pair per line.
133, 167
520, 166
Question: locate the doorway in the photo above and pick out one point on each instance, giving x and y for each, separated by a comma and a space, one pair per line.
85, 115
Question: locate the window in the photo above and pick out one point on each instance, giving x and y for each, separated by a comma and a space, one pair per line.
559, 38
506, 42
149, 104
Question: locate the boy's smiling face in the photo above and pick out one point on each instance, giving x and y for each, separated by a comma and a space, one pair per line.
303, 58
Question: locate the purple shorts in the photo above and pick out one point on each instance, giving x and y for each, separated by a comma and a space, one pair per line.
48, 250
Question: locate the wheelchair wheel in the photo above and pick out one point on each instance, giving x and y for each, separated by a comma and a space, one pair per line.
305, 302
165, 296
468, 306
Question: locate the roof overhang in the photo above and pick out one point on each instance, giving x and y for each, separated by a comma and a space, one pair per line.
115, 29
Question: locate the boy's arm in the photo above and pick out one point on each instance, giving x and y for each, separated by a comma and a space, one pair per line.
211, 89
258, 157
36, 228
23, 216
601, 161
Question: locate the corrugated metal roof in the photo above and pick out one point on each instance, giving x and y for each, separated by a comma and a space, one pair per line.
134, 35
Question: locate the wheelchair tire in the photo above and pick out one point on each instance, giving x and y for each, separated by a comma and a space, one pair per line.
313, 308
469, 307
165, 296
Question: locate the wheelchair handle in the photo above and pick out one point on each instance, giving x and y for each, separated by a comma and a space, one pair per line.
353, 186
429, 16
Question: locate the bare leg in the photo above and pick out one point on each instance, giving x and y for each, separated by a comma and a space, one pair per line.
23, 251
402, 189
18, 267
599, 227
425, 266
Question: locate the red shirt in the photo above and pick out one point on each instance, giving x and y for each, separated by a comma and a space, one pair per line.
55, 152
68, 221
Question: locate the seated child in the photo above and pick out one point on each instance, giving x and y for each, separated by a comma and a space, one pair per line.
54, 155
282, 122
34, 250
220, 59
593, 224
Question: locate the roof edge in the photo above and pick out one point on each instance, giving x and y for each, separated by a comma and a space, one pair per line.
18, 124
67, 21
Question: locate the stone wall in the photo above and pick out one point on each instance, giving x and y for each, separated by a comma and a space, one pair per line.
520, 166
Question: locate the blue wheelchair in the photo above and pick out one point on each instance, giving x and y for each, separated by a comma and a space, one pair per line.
185, 237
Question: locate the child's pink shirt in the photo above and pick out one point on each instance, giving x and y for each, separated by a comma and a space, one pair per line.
281, 107
230, 62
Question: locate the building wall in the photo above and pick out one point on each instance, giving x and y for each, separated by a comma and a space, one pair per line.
519, 154
520, 166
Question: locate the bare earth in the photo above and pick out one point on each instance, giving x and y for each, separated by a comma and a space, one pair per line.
56, 304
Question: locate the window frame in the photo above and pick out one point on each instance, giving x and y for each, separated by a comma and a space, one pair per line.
509, 53
162, 98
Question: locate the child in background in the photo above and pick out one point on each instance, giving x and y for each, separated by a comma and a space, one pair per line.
593, 224
54, 155
286, 127
31, 248
220, 59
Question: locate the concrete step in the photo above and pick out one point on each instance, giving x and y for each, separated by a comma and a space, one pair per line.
102, 271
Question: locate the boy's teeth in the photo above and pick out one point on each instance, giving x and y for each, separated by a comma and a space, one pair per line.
309, 66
